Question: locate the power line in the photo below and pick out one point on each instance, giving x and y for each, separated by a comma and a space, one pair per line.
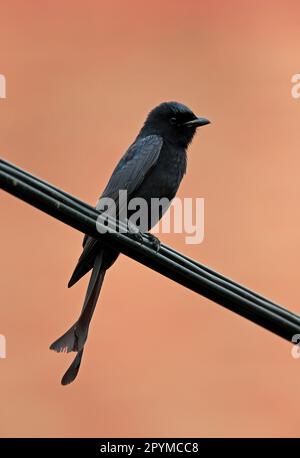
167, 261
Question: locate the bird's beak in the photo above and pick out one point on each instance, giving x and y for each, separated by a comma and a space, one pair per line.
197, 122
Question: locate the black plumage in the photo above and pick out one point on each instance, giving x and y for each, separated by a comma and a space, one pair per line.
152, 167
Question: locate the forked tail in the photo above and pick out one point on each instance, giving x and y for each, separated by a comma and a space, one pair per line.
74, 339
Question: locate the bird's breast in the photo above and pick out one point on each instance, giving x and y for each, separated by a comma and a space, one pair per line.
165, 177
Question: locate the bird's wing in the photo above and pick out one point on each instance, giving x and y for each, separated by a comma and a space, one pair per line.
134, 166
128, 175
131, 170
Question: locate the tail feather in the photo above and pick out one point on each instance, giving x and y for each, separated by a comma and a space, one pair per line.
72, 372
86, 261
74, 339
79, 272
67, 342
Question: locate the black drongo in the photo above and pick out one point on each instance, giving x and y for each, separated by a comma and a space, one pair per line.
152, 167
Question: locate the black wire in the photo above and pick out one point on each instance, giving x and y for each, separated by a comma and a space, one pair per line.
67, 198
168, 262
183, 260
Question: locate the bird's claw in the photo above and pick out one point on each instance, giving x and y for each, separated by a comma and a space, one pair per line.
137, 237
155, 242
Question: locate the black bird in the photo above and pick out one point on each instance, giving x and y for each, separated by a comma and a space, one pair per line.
152, 167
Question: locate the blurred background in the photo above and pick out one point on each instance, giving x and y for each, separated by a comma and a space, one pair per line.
160, 360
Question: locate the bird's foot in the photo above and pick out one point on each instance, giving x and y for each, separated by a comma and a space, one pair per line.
155, 242
136, 236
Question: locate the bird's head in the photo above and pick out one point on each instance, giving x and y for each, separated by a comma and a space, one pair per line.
175, 122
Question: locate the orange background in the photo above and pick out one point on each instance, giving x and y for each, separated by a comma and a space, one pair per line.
160, 360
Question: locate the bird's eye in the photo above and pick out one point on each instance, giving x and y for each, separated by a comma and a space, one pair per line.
173, 121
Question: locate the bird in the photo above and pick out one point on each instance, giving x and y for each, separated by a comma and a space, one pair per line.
152, 167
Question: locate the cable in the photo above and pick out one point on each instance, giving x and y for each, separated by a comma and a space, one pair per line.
167, 261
